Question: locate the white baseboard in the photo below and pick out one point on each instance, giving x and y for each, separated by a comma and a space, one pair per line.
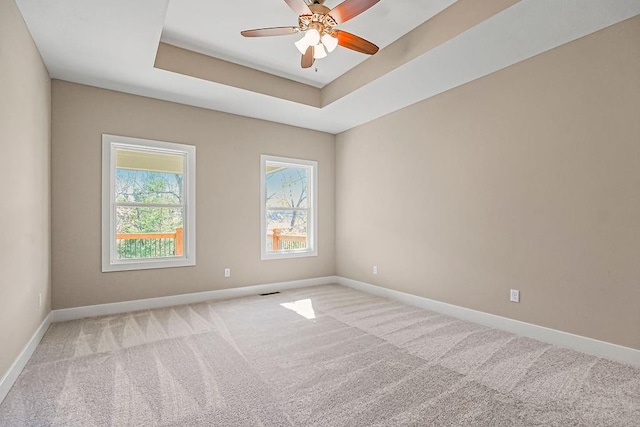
65, 314
21, 361
563, 339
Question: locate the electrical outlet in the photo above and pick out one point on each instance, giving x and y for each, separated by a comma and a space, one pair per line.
40, 300
515, 295
375, 269
227, 272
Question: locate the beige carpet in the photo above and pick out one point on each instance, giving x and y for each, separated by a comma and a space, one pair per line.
320, 356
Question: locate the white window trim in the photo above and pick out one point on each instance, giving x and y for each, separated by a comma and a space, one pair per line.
312, 224
109, 262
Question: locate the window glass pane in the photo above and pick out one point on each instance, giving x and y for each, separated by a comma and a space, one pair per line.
288, 224
286, 186
286, 230
149, 232
138, 186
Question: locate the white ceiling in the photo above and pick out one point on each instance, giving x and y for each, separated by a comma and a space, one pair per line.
112, 44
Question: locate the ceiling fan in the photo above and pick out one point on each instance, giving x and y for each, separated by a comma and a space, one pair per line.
317, 21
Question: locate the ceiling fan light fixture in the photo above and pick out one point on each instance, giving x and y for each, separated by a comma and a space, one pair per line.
312, 36
302, 45
317, 24
319, 52
329, 42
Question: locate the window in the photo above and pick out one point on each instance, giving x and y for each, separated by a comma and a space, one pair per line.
288, 207
148, 204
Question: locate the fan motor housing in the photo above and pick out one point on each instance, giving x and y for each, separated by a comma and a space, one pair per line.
319, 19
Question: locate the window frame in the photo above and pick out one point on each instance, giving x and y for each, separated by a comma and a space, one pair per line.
109, 262
312, 220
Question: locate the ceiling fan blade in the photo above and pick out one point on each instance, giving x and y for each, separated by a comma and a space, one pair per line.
307, 58
353, 42
274, 31
299, 7
349, 9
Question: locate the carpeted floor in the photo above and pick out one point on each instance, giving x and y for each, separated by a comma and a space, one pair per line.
320, 356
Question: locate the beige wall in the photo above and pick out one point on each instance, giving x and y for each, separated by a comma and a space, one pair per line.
25, 117
528, 178
228, 195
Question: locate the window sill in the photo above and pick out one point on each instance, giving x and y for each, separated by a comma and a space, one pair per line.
147, 265
287, 255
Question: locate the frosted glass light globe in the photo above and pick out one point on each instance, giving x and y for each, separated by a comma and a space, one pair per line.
312, 36
329, 42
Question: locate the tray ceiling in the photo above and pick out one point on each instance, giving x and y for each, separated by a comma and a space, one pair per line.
113, 45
